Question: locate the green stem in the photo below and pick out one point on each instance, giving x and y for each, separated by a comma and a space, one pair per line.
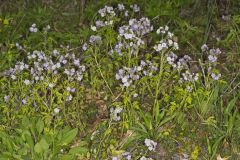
159, 77
98, 66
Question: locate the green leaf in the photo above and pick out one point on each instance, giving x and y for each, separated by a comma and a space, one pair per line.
78, 150
29, 140
68, 157
230, 106
40, 126
44, 144
25, 122
41, 146
38, 148
69, 136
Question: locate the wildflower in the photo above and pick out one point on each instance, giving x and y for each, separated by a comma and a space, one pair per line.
18, 46
215, 51
150, 144
121, 7
135, 8
93, 28
55, 52
51, 85
212, 58
26, 82
94, 39
76, 62
107, 10
6, 98
204, 47
189, 88
33, 28
135, 95
159, 47
64, 61
99, 23
56, 110
84, 47
215, 76
127, 76
73, 90
128, 36
13, 77
24, 101
226, 17
127, 155
47, 28
187, 76
126, 13
115, 112
69, 98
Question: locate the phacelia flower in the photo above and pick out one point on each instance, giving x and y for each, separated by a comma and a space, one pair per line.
150, 144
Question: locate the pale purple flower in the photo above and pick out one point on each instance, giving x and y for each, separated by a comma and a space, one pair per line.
55, 52
121, 7
135, 95
150, 144
24, 101
135, 8
212, 58
6, 98
215, 76
51, 85
13, 77
204, 47
69, 98
56, 110
94, 39
115, 113
84, 47
27, 82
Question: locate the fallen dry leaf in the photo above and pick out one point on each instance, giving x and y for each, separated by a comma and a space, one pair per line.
220, 158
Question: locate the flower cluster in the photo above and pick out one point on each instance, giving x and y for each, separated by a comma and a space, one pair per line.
188, 76
125, 155
179, 64
135, 7
167, 41
39, 65
131, 36
33, 28
128, 75
150, 144
147, 68
107, 11
94, 39
115, 113
212, 59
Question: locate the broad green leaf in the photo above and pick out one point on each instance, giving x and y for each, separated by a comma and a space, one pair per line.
29, 140
38, 148
40, 126
44, 144
25, 122
78, 150
68, 157
69, 136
